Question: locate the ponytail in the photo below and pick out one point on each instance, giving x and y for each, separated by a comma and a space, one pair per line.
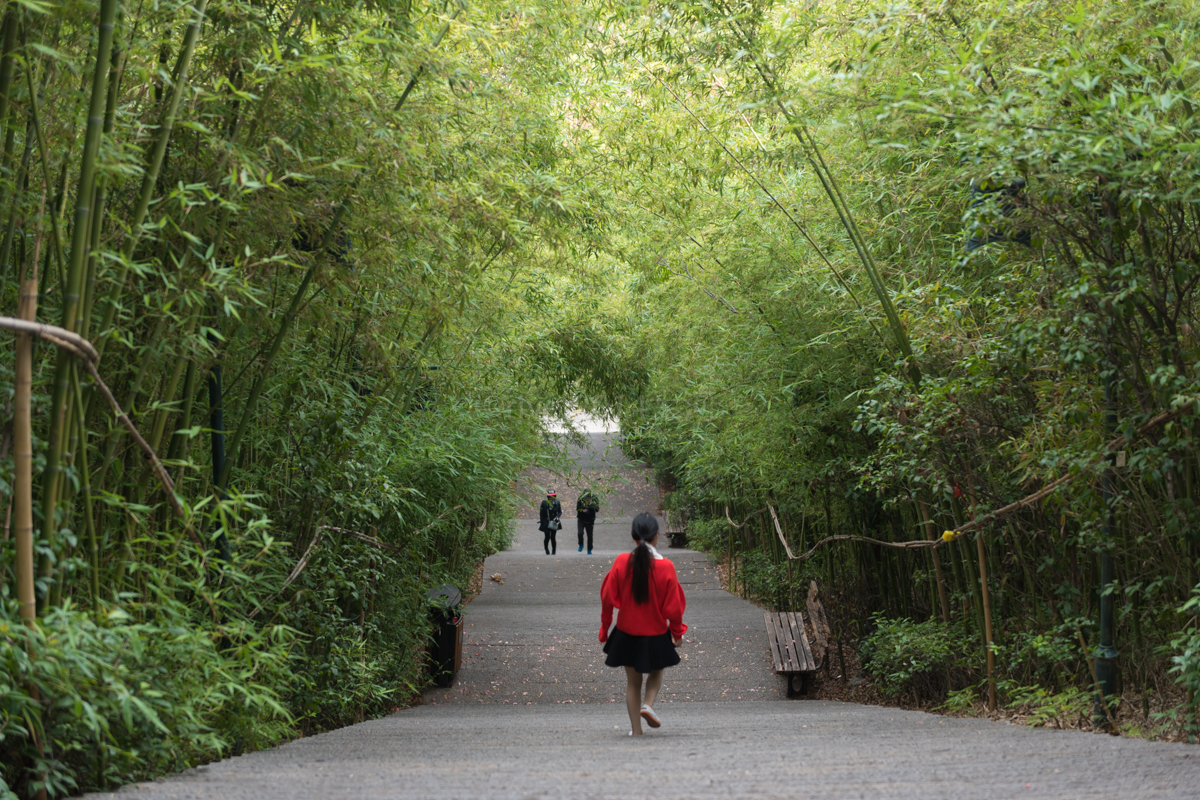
645, 527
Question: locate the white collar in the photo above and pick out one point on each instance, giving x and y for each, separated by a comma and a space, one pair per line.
657, 555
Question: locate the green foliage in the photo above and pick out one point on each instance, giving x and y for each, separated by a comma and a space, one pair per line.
1045, 708
1022, 176
1185, 649
335, 242
710, 535
960, 700
925, 659
123, 699
392, 240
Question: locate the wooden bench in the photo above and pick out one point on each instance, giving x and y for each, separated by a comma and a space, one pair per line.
799, 649
676, 525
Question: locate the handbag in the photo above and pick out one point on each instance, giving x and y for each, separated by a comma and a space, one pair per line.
554, 524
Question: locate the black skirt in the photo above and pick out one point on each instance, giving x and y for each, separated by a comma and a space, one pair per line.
643, 653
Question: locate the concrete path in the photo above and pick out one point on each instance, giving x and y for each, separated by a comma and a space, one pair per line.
596, 463
535, 714
534, 639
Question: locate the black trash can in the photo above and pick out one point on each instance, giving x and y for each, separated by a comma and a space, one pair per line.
445, 647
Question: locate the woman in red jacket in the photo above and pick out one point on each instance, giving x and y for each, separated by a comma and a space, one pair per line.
642, 585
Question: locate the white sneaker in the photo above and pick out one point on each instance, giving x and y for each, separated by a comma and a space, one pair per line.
651, 718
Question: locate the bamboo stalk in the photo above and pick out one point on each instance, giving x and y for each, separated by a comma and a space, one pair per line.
986, 596
437, 40
23, 456
161, 416
89, 521
284, 326
85, 187
987, 623
7, 196
812, 154
11, 23
141, 370
60, 401
21, 184
150, 176
100, 203
7, 61
178, 444
943, 600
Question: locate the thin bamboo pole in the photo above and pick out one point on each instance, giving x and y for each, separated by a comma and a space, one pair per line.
829, 184
23, 455
153, 166
987, 623
20, 185
100, 202
179, 441
284, 326
985, 593
89, 520
11, 22
60, 401
144, 365
23, 470
85, 187
943, 600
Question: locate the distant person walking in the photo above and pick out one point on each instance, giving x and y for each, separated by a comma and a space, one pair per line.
550, 515
585, 512
643, 587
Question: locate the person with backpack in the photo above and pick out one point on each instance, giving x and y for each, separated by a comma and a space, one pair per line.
586, 509
643, 587
550, 516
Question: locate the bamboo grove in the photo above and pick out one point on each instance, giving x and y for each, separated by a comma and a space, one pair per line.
291, 288
288, 261
899, 266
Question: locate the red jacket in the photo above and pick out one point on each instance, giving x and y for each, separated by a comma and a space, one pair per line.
664, 610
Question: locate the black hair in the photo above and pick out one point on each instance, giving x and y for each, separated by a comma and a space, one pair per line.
645, 527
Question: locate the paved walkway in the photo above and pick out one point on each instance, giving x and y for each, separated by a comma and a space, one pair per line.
535, 714
533, 639
597, 463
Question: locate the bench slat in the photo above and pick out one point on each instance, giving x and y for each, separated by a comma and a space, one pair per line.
790, 648
788, 638
787, 648
802, 638
797, 641
812, 656
773, 637
785, 658
784, 637
795, 649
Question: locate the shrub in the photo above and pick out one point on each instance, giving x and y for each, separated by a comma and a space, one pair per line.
123, 699
1186, 660
926, 659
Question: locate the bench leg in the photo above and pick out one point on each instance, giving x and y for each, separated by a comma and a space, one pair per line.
792, 677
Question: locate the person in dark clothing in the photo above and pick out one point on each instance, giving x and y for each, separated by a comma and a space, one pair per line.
550, 516
585, 512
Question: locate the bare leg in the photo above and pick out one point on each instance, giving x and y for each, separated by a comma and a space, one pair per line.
653, 684
633, 698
